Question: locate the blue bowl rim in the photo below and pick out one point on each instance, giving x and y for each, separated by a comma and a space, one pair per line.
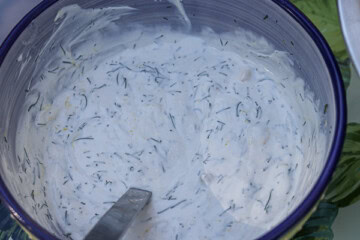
313, 196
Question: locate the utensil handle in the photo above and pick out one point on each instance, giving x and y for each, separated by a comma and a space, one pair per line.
115, 222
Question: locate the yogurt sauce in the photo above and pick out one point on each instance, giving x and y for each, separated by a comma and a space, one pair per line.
218, 127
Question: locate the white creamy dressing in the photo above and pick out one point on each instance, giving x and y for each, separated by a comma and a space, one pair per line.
218, 127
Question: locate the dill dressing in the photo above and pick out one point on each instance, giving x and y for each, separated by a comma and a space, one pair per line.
218, 127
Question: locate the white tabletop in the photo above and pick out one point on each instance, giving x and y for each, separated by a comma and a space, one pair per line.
349, 12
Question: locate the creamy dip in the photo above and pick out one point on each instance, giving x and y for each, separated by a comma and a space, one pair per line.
217, 126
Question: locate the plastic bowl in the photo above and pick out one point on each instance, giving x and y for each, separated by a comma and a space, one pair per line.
277, 20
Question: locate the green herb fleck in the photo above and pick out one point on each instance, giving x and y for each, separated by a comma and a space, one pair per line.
33, 195
326, 108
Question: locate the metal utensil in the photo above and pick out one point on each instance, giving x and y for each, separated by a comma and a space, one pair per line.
118, 218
